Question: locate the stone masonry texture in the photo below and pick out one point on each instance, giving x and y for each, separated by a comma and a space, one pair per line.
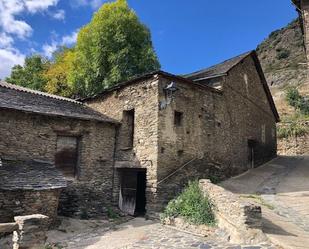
212, 139
31, 136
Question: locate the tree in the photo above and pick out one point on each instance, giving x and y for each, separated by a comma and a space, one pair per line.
31, 74
57, 73
298, 101
113, 47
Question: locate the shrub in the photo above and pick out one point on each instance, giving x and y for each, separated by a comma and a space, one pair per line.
111, 214
282, 53
191, 205
297, 101
293, 129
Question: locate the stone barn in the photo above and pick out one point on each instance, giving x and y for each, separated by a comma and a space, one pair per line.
214, 123
138, 143
79, 141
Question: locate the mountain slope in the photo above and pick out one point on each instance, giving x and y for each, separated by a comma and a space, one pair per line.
282, 56
283, 59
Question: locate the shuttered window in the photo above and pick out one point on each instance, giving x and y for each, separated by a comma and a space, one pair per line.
67, 155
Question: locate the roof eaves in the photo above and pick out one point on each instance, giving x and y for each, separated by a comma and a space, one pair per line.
27, 90
265, 87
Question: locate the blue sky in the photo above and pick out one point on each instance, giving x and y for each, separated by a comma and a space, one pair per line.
187, 35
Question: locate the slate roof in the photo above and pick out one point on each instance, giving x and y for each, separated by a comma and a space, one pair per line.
30, 175
27, 100
217, 70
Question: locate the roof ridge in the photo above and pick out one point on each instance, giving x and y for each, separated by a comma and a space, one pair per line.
240, 56
40, 93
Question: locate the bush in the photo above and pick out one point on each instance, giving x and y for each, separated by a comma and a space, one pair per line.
282, 53
192, 206
294, 129
297, 101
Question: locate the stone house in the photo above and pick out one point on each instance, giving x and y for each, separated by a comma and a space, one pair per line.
79, 141
215, 123
138, 143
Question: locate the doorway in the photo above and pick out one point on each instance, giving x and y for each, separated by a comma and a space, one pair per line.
132, 196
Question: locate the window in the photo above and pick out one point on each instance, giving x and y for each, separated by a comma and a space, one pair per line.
178, 118
66, 158
128, 127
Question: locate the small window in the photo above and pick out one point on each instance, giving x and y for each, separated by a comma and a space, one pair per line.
67, 155
178, 118
128, 127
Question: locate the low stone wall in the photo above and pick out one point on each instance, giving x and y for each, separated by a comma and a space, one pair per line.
29, 232
240, 219
293, 146
26, 202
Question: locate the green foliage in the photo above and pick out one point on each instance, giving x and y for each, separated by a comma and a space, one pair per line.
282, 53
30, 74
299, 102
113, 47
57, 73
111, 214
292, 129
192, 206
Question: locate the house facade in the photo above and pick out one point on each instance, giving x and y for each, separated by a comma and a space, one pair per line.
215, 123
137, 144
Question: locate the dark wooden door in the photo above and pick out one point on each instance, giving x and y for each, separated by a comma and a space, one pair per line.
128, 192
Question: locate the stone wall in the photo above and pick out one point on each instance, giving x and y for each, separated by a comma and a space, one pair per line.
241, 220
29, 232
294, 146
34, 137
215, 130
143, 98
245, 114
26, 202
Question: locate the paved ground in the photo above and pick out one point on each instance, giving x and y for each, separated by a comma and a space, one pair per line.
282, 186
144, 234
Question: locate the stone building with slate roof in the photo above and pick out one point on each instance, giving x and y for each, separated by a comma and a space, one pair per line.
29, 187
216, 123
138, 143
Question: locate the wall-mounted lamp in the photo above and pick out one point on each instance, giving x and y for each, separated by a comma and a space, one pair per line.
169, 90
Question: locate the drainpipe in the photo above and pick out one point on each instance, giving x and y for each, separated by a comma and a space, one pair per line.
114, 160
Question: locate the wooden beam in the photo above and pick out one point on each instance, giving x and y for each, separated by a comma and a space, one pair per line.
8, 227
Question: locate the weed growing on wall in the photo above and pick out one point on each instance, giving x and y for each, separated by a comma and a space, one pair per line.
191, 205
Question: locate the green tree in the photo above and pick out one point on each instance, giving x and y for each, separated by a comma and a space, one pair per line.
299, 102
57, 73
113, 47
30, 74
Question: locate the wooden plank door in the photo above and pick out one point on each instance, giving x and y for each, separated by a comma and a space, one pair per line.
128, 191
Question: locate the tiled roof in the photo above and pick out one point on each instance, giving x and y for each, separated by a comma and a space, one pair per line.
30, 175
217, 70
27, 100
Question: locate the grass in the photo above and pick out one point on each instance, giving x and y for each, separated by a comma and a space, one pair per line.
191, 205
259, 200
293, 126
111, 214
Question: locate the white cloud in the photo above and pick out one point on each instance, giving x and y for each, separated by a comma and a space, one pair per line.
34, 6
95, 4
67, 40
49, 49
58, 15
12, 27
8, 59
5, 40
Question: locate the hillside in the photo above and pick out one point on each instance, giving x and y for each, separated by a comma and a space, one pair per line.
282, 56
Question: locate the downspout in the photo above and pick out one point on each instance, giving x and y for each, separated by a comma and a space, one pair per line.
114, 160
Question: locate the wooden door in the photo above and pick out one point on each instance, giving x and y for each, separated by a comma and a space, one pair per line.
128, 191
